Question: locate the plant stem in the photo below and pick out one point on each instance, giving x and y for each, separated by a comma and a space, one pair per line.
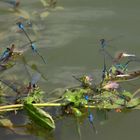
20, 106
15, 107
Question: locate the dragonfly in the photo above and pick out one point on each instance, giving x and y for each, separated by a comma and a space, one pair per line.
104, 43
26, 23
9, 53
5, 55
90, 116
32, 45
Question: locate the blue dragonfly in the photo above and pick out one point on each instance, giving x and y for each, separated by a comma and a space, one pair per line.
104, 44
26, 22
32, 45
90, 116
7, 54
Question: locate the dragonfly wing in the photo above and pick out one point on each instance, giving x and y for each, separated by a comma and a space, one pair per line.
35, 68
35, 78
10, 85
116, 38
106, 53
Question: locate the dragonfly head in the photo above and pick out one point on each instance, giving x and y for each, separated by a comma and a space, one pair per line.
33, 47
86, 97
8, 49
102, 41
20, 25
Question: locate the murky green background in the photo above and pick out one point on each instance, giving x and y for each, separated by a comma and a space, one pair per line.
69, 40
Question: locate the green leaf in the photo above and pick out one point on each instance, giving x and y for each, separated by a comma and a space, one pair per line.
39, 116
133, 103
35, 96
76, 97
128, 94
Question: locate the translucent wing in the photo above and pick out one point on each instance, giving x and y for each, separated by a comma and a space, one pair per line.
35, 78
106, 53
10, 85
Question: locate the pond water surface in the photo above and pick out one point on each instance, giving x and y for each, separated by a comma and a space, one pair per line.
68, 38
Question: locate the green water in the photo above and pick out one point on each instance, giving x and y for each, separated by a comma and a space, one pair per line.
69, 41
